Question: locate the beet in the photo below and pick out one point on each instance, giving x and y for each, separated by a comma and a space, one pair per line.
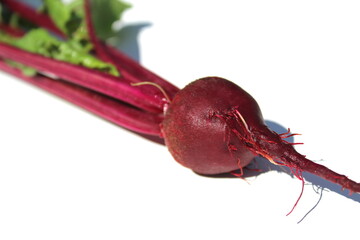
196, 134
213, 126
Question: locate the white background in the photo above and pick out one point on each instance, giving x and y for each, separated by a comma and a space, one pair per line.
66, 174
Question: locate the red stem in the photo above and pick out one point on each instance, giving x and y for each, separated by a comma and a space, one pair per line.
101, 105
116, 87
11, 31
100, 51
129, 69
125, 65
33, 16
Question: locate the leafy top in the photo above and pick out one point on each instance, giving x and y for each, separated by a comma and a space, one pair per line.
70, 19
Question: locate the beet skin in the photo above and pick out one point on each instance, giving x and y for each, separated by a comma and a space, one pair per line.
197, 135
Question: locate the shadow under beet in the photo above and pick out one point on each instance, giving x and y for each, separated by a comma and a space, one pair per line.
261, 165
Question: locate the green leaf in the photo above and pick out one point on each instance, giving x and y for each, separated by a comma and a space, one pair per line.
65, 16
59, 12
41, 42
70, 18
104, 14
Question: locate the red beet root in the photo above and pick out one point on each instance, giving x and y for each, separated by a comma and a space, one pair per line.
213, 126
199, 130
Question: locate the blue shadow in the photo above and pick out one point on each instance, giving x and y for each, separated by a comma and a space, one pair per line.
126, 39
315, 181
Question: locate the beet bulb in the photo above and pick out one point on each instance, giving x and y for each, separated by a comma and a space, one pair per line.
213, 126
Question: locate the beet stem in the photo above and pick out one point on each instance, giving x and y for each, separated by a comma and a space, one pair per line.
116, 87
125, 65
11, 31
100, 50
33, 16
128, 68
101, 105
